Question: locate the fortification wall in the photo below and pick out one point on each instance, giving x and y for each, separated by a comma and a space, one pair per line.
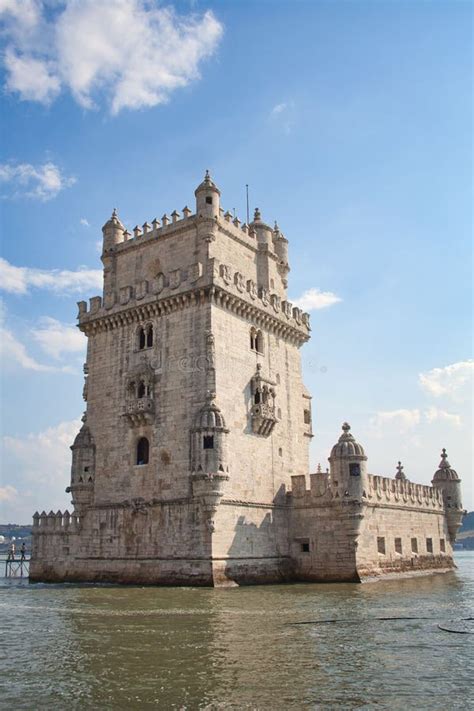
335, 537
138, 543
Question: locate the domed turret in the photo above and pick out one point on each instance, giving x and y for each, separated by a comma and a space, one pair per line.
348, 464
113, 232
207, 198
209, 470
82, 469
264, 231
447, 480
346, 445
445, 472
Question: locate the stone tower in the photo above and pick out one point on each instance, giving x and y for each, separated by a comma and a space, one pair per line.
196, 413
190, 466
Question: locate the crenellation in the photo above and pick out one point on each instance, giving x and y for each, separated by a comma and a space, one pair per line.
191, 463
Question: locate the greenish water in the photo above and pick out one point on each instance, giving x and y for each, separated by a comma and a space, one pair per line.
84, 647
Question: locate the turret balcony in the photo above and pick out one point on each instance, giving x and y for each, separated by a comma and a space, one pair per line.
140, 410
263, 418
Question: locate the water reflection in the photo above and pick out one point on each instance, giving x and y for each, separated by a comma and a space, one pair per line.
113, 648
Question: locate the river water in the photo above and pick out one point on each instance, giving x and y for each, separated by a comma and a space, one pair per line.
108, 647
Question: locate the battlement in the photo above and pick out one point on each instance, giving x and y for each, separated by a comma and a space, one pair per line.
381, 490
54, 523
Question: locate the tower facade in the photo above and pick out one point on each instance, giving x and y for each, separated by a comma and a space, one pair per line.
190, 465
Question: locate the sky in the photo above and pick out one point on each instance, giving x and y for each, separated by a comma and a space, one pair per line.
351, 124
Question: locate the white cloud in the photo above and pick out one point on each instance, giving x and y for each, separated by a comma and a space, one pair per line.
434, 414
314, 299
12, 352
398, 420
18, 280
134, 52
32, 78
42, 182
283, 115
453, 381
84, 222
56, 338
8, 493
278, 108
41, 464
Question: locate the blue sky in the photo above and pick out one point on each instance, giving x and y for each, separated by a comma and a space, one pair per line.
351, 123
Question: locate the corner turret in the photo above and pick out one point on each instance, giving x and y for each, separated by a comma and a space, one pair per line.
447, 480
82, 469
348, 465
207, 198
264, 232
113, 232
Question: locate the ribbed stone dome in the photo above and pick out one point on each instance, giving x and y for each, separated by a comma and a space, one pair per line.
114, 222
210, 418
347, 446
445, 473
83, 438
207, 184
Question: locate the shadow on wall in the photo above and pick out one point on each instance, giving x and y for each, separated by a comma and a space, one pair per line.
259, 550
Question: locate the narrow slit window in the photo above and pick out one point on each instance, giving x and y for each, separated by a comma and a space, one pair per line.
143, 451
141, 390
398, 545
429, 545
208, 442
381, 545
414, 545
141, 339
149, 337
442, 545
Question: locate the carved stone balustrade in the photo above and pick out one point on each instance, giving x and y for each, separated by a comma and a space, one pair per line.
140, 410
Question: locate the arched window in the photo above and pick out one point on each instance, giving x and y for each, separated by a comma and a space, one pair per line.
141, 392
141, 339
257, 398
149, 336
143, 451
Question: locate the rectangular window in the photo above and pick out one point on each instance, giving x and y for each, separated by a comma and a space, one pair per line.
307, 417
208, 442
305, 547
354, 469
429, 545
442, 545
381, 545
414, 545
208, 200
398, 545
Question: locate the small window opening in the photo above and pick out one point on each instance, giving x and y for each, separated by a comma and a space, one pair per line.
305, 547
414, 545
429, 545
259, 342
354, 469
141, 339
143, 450
141, 390
442, 545
149, 337
208, 442
280, 452
381, 545
86, 469
398, 545
257, 398
208, 200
